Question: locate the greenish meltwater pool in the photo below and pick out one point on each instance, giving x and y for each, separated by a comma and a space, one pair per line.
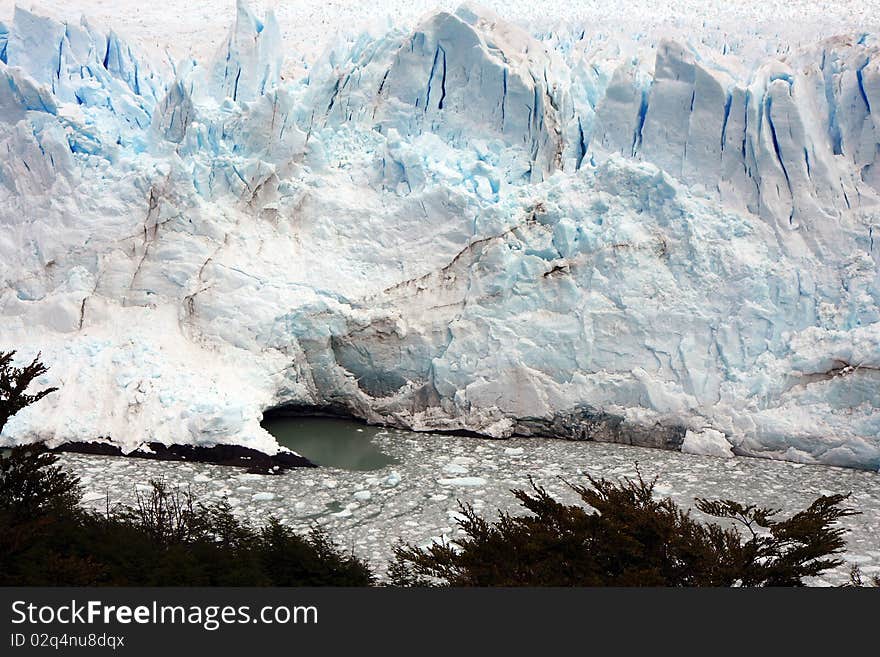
331, 442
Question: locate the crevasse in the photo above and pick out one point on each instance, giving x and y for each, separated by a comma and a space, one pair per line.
456, 225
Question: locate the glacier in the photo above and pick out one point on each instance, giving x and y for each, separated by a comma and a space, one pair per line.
456, 225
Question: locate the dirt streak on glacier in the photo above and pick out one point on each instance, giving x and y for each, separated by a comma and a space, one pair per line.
454, 226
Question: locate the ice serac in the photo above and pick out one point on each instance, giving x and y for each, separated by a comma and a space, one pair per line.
249, 62
851, 82
759, 144
82, 67
453, 225
468, 77
4, 41
671, 101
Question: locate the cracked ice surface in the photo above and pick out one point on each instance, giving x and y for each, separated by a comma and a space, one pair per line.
453, 221
416, 499
196, 30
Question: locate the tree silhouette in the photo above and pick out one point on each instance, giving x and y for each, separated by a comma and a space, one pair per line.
47, 538
625, 535
14, 382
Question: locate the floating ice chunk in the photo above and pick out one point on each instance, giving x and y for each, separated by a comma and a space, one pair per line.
392, 479
363, 495
262, 497
707, 442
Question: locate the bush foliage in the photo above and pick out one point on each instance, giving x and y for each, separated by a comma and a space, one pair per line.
14, 382
165, 539
626, 536
623, 535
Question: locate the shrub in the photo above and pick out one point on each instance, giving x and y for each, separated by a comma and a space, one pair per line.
293, 559
32, 485
858, 580
38, 510
625, 536
14, 382
784, 552
165, 539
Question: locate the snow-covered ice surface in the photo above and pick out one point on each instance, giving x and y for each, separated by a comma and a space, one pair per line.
196, 29
417, 499
659, 230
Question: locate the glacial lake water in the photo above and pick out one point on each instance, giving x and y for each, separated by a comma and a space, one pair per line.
331, 442
367, 506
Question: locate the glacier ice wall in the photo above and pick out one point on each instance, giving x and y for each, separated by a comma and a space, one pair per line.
457, 225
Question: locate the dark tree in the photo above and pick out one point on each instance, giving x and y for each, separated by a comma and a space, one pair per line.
166, 538
858, 580
293, 559
786, 551
14, 382
32, 485
39, 504
625, 536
